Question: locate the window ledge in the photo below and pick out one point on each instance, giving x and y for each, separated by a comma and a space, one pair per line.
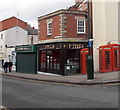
49, 35
81, 34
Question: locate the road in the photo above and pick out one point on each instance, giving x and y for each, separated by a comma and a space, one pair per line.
29, 94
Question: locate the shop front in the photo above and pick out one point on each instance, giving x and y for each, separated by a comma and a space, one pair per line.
54, 57
26, 59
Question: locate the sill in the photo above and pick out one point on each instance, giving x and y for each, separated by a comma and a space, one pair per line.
49, 35
81, 34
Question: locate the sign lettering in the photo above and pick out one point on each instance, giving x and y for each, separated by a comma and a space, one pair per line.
75, 46
61, 46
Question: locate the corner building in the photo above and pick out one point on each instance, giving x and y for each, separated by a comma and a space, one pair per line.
62, 35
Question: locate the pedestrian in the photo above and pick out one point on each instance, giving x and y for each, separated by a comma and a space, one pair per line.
2, 62
10, 66
5, 67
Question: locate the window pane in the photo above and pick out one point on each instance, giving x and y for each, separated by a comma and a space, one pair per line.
49, 28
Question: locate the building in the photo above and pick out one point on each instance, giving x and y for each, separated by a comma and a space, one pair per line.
63, 38
13, 32
105, 27
32, 36
62, 35
104, 18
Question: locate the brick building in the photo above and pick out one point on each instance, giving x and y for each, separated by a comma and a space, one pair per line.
62, 35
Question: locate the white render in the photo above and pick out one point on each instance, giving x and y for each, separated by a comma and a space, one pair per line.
11, 37
105, 27
32, 37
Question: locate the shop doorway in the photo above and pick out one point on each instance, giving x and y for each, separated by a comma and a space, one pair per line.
49, 63
73, 57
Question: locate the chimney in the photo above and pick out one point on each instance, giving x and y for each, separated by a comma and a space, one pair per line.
78, 1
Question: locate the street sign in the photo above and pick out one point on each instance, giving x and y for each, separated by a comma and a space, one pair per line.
89, 43
91, 39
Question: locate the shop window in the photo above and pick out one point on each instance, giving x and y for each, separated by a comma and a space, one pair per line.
43, 59
73, 56
56, 60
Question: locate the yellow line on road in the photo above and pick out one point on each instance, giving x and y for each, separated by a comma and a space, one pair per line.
66, 84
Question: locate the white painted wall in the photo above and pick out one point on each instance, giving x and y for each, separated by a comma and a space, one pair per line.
105, 26
16, 36
2, 43
12, 37
35, 39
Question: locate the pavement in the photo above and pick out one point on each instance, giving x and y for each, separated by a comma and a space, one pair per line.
79, 79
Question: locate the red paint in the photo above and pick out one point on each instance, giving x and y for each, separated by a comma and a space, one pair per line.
83, 60
12, 22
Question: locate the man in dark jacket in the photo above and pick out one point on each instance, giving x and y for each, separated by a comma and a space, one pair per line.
5, 66
10, 66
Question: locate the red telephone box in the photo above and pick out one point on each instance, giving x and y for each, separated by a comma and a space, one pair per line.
115, 56
105, 58
83, 61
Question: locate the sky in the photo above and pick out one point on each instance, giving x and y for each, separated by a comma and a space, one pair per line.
30, 10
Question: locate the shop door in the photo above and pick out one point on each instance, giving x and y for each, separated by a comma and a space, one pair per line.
49, 63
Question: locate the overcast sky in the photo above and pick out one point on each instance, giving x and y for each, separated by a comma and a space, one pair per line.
30, 10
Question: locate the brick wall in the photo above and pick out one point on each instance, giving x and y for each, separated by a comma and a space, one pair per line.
64, 25
71, 26
55, 28
11, 22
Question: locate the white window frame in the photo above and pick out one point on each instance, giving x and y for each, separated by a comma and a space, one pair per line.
49, 29
84, 27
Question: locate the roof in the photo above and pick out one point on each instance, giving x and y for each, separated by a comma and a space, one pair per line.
12, 17
12, 22
32, 31
62, 11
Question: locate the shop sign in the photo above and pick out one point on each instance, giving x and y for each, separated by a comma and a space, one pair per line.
61, 46
25, 48
51, 46
75, 46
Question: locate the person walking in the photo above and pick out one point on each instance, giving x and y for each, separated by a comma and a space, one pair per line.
10, 66
5, 66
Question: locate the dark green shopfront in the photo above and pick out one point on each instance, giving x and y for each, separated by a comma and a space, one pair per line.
61, 58
26, 59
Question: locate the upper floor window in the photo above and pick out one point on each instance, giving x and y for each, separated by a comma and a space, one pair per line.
1, 36
80, 26
49, 28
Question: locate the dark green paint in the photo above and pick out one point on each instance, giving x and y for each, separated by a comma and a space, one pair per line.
26, 63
